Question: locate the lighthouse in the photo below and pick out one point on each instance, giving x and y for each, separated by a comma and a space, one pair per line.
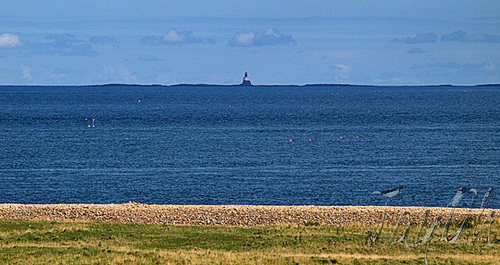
246, 82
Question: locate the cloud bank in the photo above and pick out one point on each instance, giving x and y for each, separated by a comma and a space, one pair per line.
462, 36
270, 37
62, 44
419, 38
105, 40
457, 36
173, 37
9, 41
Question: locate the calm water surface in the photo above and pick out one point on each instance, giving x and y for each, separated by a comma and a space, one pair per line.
231, 145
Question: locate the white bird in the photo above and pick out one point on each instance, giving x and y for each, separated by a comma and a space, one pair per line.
460, 193
390, 193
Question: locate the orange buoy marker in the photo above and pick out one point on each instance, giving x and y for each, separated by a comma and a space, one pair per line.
356, 137
340, 137
93, 121
309, 140
290, 140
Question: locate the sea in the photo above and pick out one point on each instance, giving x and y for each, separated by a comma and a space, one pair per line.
327, 145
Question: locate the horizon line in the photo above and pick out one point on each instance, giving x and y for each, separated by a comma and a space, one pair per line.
253, 85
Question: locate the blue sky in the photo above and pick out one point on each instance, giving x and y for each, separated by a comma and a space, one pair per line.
277, 42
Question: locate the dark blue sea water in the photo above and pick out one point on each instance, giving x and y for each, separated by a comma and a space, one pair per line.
231, 145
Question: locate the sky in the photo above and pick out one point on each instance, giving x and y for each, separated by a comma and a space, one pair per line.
385, 42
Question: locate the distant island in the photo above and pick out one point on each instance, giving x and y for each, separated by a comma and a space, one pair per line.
257, 86
290, 85
247, 83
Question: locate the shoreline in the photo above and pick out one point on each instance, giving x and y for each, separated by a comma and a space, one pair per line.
233, 215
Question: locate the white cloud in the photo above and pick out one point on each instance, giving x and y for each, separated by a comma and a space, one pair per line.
175, 37
270, 37
243, 39
26, 70
9, 41
342, 72
172, 36
118, 73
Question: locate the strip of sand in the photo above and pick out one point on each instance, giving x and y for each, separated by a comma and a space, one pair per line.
230, 215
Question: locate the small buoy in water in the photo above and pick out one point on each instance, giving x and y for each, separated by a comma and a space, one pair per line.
340, 137
139, 101
290, 140
89, 125
309, 140
356, 137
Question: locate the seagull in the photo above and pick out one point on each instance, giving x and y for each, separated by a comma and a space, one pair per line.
390, 193
458, 196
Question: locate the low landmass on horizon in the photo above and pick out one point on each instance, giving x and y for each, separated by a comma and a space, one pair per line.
252, 85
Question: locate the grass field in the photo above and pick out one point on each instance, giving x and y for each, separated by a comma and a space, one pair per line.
28, 242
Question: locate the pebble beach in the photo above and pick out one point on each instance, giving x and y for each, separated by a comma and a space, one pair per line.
233, 215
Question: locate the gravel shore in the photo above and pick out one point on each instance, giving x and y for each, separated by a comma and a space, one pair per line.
228, 215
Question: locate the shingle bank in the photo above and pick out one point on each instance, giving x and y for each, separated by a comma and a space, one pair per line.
230, 215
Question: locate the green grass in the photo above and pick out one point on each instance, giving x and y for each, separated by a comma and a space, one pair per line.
26, 242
